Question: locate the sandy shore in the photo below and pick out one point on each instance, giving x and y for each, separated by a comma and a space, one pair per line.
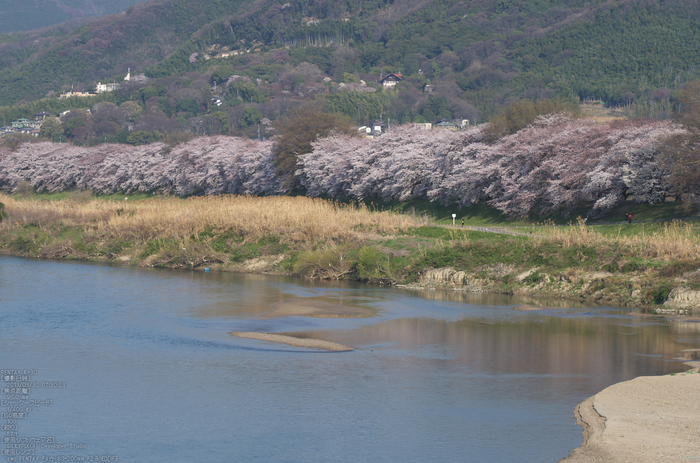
292, 341
648, 419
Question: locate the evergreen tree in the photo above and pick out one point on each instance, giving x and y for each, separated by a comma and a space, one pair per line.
297, 134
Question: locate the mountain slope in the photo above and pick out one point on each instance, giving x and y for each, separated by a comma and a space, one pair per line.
476, 55
24, 15
35, 63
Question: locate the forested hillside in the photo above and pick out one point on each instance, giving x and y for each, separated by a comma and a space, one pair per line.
34, 63
458, 59
35, 14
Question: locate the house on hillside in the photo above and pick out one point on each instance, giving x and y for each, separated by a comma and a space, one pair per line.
101, 88
453, 124
390, 80
447, 125
372, 130
21, 126
41, 117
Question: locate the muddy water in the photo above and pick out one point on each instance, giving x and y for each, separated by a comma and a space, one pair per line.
136, 365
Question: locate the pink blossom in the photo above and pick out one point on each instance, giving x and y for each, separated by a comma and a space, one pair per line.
554, 164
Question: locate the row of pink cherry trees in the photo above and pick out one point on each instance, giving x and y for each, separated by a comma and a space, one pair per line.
211, 165
555, 163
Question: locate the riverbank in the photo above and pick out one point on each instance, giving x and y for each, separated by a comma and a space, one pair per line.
647, 419
655, 266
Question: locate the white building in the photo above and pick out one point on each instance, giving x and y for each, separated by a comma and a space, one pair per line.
101, 88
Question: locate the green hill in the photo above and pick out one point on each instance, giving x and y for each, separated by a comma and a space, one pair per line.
35, 14
476, 56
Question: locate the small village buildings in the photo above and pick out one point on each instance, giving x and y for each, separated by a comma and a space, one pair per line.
389, 81
453, 124
377, 129
42, 116
372, 131
22, 125
101, 88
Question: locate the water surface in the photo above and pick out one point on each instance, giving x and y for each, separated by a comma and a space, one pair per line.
151, 374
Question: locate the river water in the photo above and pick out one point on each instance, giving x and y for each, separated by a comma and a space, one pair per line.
136, 365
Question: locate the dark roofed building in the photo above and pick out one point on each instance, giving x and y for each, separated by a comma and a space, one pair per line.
42, 116
390, 80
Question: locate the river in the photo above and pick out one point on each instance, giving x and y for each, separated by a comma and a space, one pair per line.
136, 365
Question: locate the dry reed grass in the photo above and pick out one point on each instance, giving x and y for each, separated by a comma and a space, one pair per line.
673, 241
292, 218
44, 213
298, 219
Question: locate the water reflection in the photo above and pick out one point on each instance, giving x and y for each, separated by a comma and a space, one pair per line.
541, 344
491, 299
438, 376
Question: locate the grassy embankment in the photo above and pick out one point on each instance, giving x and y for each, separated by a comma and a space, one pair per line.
619, 264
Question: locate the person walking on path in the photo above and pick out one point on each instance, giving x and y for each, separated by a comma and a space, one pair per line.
629, 218
462, 222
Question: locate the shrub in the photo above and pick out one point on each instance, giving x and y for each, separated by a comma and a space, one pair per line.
658, 293
612, 268
534, 278
153, 246
631, 267
328, 262
25, 245
143, 137
371, 263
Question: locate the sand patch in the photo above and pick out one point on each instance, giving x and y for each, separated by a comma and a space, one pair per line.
318, 309
647, 419
293, 341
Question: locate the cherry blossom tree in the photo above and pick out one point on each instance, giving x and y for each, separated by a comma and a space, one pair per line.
212, 165
554, 164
